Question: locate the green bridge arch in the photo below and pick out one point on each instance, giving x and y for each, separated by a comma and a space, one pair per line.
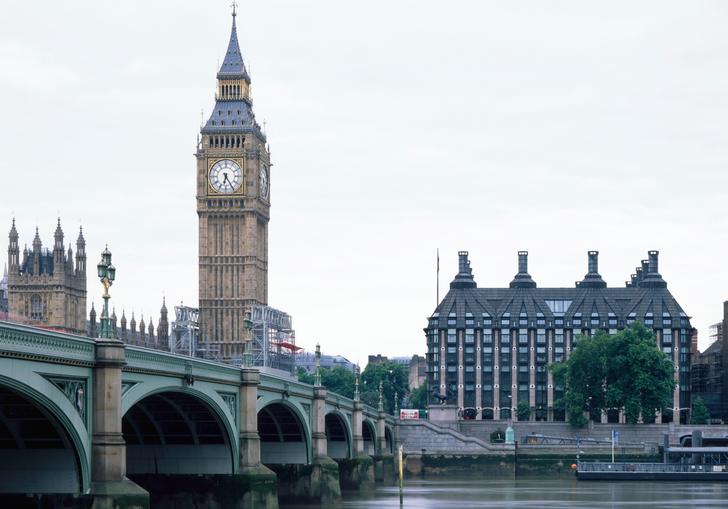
50, 399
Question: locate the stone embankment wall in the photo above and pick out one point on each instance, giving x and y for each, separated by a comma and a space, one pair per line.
418, 435
442, 449
434, 450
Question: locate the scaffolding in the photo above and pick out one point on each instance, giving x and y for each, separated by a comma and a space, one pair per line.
273, 339
185, 331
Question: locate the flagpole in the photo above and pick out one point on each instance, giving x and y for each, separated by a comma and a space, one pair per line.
437, 296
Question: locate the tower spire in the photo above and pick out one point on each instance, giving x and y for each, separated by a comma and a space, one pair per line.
232, 64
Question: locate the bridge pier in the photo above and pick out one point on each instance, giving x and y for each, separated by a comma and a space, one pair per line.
251, 484
357, 473
384, 460
109, 486
262, 482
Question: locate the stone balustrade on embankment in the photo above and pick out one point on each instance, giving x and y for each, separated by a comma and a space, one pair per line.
651, 434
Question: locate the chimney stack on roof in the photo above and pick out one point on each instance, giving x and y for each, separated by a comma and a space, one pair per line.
464, 277
523, 278
592, 279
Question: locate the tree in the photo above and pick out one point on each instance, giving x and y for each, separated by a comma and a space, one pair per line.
394, 379
700, 413
523, 411
419, 396
640, 377
626, 370
337, 379
304, 376
582, 376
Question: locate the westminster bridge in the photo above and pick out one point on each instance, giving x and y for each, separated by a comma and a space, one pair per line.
97, 423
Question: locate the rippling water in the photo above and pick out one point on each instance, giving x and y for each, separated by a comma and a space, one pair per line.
533, 493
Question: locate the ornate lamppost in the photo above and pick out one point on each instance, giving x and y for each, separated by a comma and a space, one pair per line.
247, 340
396, 404
381, 398
107, 274
317, 375
356, 383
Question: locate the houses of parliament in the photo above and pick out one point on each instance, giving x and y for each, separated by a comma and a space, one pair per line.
233, 206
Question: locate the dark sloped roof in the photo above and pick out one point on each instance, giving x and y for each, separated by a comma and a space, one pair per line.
233, 64
45, 263
634, 301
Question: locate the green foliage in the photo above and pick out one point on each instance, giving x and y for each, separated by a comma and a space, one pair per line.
419, 397
394, 379
700, 413
523, 411
626, 370
304, 376
338, 379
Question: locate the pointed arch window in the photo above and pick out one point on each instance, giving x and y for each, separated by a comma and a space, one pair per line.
36, 308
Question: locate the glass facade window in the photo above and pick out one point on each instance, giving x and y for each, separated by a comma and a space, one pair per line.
523, 336
631, 319
666, 336
523, 320
506, 320
649, 320
577, 320
505, 337
452, 337
594, 320
469, 336
559, 336
666, 320
487, 320
612, 321
487, 336
541, 337
540, 320
559, 321
558, 306
469, 320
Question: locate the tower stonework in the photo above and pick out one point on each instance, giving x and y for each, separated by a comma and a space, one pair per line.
46, 287
233, 207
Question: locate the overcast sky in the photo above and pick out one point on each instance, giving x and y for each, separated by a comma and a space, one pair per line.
396, 127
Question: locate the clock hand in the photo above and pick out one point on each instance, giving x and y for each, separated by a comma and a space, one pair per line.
228, 181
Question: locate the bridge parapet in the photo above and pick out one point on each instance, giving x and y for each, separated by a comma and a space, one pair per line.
140, 359
32, 343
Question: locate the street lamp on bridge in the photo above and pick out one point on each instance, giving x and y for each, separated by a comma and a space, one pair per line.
107, 274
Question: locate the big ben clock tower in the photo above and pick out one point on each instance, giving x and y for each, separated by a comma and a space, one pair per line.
233, 206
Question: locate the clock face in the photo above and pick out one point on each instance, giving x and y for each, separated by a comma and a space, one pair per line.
263, 179
226, 176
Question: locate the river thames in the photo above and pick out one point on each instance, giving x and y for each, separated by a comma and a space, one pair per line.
534, 493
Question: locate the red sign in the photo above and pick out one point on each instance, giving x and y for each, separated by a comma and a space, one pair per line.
409, 413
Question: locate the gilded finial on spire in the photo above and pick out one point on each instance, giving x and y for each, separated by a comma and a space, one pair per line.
234, 5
